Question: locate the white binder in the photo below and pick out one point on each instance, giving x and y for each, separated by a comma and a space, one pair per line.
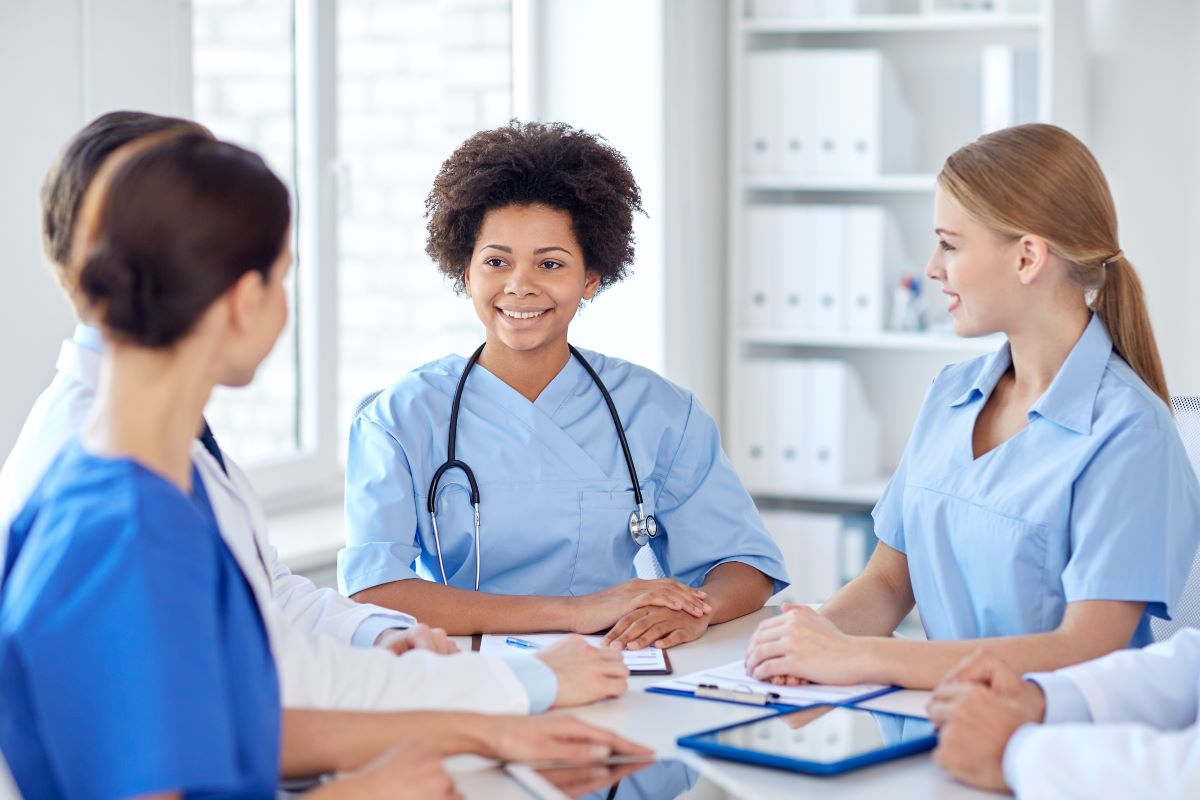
825, 269
753, 428
793, 249
809, 543
843, 440
788, 446
797, 108
759, 295
866, 230
762, 95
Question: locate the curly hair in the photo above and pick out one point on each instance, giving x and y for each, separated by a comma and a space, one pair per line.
533, 163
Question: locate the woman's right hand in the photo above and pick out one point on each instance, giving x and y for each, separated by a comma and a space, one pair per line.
409, 770
600, 610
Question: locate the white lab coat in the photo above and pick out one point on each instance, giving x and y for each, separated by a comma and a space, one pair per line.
1142, 739
309, 628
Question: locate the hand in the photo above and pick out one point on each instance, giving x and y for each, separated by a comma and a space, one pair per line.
418, 637
977, 707
975, 724
409, 770
550, 738
585, 673
655, 625
800, 645
992, 673
578, 781
600, 610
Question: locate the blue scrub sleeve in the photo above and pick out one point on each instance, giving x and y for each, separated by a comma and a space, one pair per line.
124, 674
381, 511
888, 513
706, 514
1135, 521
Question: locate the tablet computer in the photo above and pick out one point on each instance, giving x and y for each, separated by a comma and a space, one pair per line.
820, 739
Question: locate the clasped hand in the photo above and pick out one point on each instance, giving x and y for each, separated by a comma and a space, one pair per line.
663, 612
801, 646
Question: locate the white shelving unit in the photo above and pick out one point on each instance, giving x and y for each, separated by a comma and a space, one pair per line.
936, 59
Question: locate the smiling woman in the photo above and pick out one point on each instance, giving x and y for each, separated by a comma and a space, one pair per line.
531, 220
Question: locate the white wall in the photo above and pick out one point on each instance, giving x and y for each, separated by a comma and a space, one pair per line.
1144, 128
62, 62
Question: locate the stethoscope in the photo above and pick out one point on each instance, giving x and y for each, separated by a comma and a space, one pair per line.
642, 526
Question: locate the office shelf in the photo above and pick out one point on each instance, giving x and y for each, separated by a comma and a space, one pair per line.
897, 23
887, 340
878, 183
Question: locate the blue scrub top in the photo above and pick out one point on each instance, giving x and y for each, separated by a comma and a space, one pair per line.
133, 659
1094, 500
555, 494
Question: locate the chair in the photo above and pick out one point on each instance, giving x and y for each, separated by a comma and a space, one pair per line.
366, 401
1187, 610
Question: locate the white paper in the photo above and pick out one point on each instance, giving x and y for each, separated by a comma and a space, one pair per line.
648, 659
733, 677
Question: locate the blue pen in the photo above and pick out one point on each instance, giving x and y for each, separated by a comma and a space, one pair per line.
515, 642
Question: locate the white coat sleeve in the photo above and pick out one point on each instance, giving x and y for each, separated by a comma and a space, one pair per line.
299, 600
1143, 740
317, 671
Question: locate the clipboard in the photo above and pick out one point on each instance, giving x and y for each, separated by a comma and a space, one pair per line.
477, 643
721, 685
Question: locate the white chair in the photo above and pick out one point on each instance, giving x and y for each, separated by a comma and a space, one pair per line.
1187, 610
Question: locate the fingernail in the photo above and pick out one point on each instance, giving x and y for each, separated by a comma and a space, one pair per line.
599, 751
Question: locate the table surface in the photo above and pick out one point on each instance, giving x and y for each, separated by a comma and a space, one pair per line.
656, 720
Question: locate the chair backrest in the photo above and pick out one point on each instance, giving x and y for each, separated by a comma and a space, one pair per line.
366, 401
1187, 610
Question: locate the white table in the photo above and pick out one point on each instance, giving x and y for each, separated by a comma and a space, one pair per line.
656, 720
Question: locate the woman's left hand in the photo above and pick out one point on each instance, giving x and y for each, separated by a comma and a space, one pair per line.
656, 626
801, 645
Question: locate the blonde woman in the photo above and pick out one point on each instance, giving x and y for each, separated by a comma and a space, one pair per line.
1044, 508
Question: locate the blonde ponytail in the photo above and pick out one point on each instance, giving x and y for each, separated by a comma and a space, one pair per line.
1040, 179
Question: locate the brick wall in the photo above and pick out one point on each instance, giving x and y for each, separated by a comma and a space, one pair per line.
415, 78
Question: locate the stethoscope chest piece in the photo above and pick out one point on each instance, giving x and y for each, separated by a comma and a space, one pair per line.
642, 527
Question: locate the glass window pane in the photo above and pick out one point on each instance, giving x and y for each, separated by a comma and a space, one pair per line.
415, 78
244, 91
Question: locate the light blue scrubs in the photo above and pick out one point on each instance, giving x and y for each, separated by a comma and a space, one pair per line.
1094, 500
555, 495
133, 659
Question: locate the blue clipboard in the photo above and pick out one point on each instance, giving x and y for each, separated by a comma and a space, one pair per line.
705, 742
784, 707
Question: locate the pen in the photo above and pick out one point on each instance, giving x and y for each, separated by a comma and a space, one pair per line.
528, 645
734, 695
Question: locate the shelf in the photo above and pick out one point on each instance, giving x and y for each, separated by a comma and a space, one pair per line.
864, 494
897, 23
877, 183
887, 340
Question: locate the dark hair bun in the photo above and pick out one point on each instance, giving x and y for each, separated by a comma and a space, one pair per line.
124, 289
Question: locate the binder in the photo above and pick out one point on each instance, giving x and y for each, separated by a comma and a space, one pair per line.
758, 297
865, 230
762, 71
787, 462
825, 269
843, 440
793, 242
811, 553
752, 431
797, 106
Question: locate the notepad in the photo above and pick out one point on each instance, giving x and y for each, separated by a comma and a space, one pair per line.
732, 677
647, 661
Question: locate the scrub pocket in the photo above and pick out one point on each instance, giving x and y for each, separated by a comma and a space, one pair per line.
606, 550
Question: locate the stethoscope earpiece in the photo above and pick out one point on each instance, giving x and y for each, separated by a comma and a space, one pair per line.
642, 526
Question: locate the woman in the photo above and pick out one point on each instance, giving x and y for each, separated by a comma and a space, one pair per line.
133, 660
1044, 508
530, 221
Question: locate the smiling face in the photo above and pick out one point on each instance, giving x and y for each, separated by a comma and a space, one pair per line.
980, 272
527, 277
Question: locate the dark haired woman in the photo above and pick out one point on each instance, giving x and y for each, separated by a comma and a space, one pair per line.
530, 221
133, 660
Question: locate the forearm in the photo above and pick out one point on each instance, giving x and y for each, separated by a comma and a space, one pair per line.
921, 664
318, 742
869, 605
464, 612
735, 590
